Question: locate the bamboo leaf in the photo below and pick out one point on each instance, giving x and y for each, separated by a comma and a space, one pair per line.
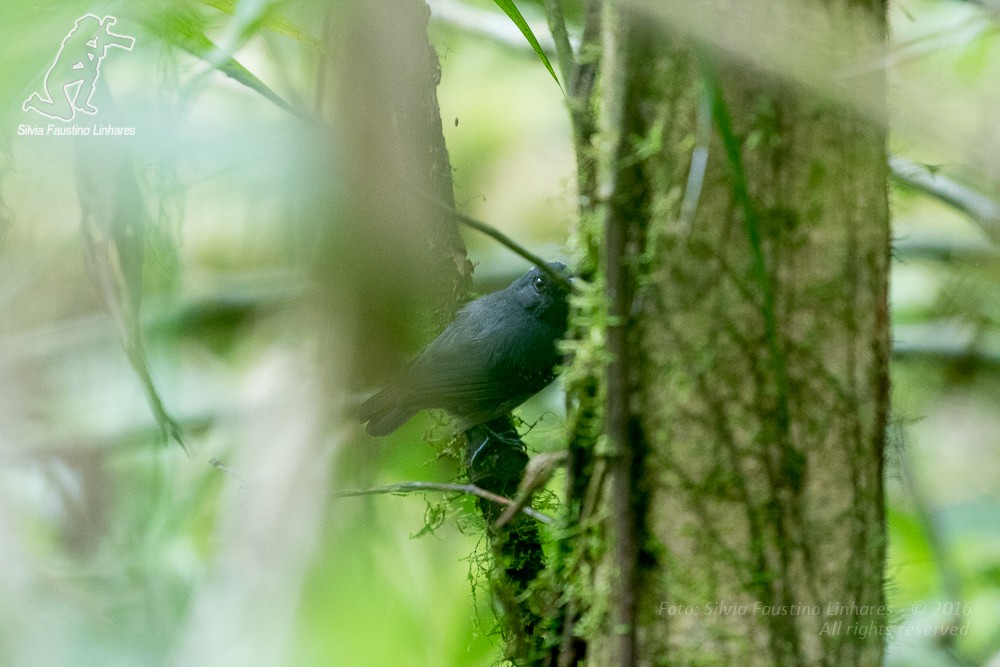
183, 31
512, 12
113, 222
270, 20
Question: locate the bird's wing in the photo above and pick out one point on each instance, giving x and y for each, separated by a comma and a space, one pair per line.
462, 366
447, 376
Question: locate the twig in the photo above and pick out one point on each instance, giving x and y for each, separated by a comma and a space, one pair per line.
944, 340
620, 214
582, 107
468, 489
581, 87
503, 239
564, 51
979, 207
219, 465
942, 248
537, 475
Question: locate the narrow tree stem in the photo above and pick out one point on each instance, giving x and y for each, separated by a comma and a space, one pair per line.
468, 489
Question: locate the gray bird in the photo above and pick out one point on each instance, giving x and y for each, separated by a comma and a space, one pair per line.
499, 351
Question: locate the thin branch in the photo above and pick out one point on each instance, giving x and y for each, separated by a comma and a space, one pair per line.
944, 340
418, 487
503, 239
944, 249
537, 474
564, 51
620, 214
582, 107
979, 207
219, 465
582, 84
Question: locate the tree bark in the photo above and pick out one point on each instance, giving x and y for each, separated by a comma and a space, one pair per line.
395, 251
400, 248
747, 394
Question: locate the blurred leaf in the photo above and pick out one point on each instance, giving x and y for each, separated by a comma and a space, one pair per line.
184, 31
268, 19
911, 562
515, 15
113, 220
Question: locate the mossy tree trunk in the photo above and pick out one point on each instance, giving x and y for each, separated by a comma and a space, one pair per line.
740, 511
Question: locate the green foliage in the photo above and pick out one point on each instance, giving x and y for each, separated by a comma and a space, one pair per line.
434, 517
256, 17
109, 540
183, 27
511, 10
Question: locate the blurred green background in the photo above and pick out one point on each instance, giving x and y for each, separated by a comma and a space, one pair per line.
121, 550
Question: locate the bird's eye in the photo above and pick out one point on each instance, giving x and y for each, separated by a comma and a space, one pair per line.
540, 283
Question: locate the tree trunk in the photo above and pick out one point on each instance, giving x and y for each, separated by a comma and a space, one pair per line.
747, 395
394, 253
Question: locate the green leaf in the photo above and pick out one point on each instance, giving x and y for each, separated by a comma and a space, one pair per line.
270, 19
515, 15
185, 30
113, 222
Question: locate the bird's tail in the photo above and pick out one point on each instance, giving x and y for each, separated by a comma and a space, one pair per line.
384, 414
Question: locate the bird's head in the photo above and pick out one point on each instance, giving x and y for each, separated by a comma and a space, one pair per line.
543, 294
